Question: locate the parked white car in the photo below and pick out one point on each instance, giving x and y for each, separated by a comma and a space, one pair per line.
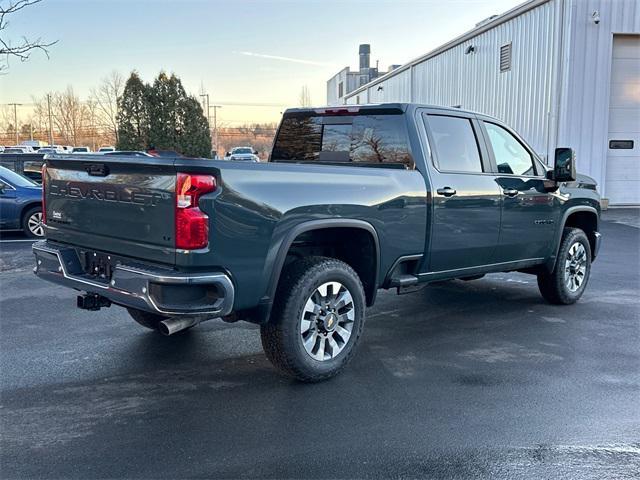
45, 150
18, 149
81, 150
106, 149
242, 154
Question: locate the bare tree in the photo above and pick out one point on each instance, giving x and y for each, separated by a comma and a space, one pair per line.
70, 116
6, 118
106, 98
23, 49
305, 97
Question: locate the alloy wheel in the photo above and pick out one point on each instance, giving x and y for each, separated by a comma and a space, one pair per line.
34, 224
575, 267
327, 321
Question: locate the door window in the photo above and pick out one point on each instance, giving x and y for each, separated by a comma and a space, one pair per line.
511, 156
455, 144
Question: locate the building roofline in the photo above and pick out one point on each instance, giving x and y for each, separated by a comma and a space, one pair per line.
502, 18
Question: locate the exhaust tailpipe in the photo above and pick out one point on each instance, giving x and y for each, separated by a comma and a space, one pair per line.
174, 325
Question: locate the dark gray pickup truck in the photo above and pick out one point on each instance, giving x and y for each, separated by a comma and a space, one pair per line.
353, 199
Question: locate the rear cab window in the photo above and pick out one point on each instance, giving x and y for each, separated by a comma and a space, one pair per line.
357, 139
456, 145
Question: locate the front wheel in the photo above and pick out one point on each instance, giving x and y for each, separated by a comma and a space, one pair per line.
568, 280
317, 319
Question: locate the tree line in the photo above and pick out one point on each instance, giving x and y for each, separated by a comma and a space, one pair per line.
161, 116
67, 118
133, 115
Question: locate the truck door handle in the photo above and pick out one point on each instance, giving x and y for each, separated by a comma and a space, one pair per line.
510, 192
446, 191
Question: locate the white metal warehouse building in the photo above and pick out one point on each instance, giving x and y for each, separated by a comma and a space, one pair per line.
561, 72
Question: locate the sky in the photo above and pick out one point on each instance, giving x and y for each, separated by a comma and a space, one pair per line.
252, 57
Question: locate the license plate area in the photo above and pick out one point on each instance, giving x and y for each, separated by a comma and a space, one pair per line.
97, 265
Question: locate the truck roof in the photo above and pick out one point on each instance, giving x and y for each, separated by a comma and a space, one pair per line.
398, 107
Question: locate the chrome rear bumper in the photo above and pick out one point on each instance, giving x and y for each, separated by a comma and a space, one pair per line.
146, 288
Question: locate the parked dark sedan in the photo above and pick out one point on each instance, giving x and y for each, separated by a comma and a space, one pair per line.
20, 204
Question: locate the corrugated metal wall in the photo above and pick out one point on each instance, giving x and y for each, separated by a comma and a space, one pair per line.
349, 81
584, 112
557, 91
332, 90
521, 96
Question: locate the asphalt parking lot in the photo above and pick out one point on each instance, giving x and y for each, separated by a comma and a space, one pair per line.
474, 379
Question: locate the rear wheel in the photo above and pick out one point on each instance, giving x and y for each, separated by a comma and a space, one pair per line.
568, 280
317, 319
32, 223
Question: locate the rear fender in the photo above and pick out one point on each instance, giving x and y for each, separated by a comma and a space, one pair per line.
262, 312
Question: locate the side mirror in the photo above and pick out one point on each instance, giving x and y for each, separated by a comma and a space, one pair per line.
564, 165
1, 188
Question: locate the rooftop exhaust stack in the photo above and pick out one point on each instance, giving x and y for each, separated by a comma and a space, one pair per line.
365, 53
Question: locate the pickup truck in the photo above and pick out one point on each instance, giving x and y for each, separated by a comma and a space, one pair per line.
353, 199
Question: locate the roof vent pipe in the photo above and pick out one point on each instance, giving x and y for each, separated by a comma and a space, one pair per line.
365, 53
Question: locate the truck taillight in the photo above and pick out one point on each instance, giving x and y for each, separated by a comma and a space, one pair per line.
192, 224
44, 198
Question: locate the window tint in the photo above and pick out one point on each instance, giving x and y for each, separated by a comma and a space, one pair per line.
363, 139
511, 157
14, 179
242, 150
455, 144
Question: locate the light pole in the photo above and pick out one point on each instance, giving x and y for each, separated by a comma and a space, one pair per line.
15, 119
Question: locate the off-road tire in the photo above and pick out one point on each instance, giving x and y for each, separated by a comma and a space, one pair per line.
281, 338
553, 285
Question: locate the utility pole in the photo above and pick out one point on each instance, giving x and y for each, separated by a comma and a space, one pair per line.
215, 125
15, 119
50, 124
206, 107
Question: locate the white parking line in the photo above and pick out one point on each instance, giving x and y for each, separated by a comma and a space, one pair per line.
18, 241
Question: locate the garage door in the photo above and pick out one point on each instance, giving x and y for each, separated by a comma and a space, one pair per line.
622, 185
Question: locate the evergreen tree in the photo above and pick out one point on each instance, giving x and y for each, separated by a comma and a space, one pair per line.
133, 115
165, 95
162, 115
194, 134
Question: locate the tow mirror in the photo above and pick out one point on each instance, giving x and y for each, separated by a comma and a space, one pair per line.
564, 165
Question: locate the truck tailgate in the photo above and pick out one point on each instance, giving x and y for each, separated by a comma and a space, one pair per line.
120, 205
